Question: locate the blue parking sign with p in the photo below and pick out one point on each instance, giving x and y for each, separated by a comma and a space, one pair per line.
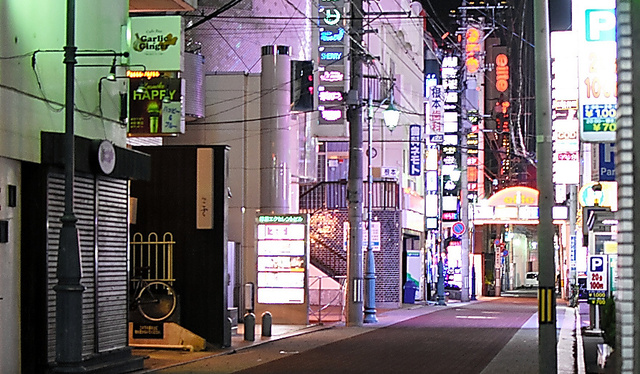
600, 25
596, 264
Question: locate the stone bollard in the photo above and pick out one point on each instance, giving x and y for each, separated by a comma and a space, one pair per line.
267, 320
250, 327
226, 337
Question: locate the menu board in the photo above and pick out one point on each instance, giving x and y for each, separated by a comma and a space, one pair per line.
282, 259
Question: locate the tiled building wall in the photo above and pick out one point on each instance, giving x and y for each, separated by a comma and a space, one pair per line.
628, 286
327, 229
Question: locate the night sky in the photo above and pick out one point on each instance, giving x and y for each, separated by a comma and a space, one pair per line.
559, 11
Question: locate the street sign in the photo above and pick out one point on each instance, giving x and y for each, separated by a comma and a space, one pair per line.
458, 228
606, 162
597, 284
436, 138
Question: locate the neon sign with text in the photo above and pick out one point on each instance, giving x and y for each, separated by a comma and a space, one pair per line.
330, 36
332, 76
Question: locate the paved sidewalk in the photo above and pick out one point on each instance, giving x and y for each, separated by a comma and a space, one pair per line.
520, 355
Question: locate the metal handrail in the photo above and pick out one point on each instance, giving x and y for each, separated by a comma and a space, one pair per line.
333, 195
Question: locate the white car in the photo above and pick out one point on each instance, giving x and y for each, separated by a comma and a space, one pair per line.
531, 279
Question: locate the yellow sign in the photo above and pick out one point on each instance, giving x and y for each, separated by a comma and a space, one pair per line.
514, 196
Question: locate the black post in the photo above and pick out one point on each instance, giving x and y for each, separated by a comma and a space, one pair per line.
69, 290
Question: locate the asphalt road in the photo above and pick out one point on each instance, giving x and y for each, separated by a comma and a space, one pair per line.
457, 339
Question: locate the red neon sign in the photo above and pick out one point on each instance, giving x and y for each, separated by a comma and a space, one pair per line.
502, 72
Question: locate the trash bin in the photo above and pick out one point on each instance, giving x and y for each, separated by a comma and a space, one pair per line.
410, 292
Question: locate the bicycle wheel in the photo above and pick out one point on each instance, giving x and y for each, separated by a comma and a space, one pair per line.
156, 301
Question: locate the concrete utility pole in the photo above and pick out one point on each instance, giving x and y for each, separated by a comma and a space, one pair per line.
354, 315
547, 354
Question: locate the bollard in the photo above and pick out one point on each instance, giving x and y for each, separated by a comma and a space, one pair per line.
226, 337
267, 320
250, 327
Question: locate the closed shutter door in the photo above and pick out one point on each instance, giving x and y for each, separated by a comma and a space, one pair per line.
112, 263
84, 202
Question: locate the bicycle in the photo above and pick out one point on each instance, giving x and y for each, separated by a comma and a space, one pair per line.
155, 300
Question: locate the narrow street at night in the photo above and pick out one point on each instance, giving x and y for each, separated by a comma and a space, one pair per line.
491, 336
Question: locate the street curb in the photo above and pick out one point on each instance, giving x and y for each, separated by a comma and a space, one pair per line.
230, 350
581, 367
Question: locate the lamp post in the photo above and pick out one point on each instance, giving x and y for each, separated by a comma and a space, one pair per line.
440, 282
69, 271
391, 118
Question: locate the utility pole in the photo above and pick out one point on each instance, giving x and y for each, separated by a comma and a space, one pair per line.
354, 315
547, 354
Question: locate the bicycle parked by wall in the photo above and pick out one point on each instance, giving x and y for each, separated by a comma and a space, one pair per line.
155, 300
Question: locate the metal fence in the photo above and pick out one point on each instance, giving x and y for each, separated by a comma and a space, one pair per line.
153, 254
333, 195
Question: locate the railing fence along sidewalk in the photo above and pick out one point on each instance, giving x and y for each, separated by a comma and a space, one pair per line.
326, 304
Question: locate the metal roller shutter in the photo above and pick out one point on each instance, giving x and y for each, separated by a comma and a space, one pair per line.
112, 260
102, 226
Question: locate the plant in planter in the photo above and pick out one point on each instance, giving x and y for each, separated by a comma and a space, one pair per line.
608, 322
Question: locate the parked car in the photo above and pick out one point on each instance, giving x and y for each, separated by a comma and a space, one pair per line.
531, 279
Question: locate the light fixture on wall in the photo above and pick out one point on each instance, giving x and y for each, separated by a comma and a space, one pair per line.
112, 72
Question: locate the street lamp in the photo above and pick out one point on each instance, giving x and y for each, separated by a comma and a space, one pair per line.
69, 270
391, 118
391, 115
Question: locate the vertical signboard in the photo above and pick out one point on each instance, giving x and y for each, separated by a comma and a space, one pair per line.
597, 283
594, 24
332, 43
565, 123
415, 150
450, 146
282, 248
204, 188
375, 233
436, 109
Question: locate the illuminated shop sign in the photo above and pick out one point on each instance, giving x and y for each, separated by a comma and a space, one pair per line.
331, 40
594, 25
331, 76
331, 15
330, 56
330, 96
415, 150
330, 114
473, 49
502, 72
564, 112
156, 42
332, 35
155, 106
436, 109
282, 248
450, 144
